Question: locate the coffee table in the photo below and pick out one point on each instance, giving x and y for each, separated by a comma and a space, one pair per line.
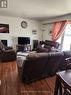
63, 83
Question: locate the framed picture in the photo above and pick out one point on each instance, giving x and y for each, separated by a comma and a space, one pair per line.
4, 28
34, 32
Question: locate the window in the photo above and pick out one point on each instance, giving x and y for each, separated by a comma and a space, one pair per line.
65, 39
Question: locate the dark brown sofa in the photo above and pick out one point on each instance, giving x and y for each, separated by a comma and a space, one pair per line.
48, 46
51, 44
7, 55
40, 65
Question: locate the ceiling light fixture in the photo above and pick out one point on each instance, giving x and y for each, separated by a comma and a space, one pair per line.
3, 3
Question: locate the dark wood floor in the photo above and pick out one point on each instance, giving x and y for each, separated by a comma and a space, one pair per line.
12, 85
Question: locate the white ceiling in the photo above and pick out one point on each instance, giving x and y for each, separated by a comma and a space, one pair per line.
36, 9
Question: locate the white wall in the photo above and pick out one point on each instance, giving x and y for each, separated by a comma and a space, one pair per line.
15, 29
46, 31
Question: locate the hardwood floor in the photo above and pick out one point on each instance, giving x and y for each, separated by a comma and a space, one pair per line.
41, 87
8, 77
12, 85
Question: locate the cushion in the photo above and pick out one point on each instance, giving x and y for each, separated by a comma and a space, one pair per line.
2, 47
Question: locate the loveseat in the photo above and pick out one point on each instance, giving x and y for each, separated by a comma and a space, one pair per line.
6, 53
41, 65
51, 44
47, 46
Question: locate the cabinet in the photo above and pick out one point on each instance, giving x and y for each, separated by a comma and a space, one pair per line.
23, 48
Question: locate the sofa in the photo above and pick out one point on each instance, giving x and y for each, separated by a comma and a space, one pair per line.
7, 56
51, 44
47, 46
67, 54
41, 65
6, 53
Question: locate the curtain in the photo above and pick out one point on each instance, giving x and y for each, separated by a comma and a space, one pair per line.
58, 29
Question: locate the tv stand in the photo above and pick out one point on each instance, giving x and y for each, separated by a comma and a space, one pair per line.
23, 48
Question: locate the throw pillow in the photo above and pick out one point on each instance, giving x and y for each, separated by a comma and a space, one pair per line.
2, 47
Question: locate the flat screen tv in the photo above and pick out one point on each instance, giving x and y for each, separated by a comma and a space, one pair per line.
23, 40
4, 42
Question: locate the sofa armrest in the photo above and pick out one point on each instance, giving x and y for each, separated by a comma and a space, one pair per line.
7, 55
9, 48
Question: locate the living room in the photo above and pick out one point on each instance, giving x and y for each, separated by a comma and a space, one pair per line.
15, 30
37, 25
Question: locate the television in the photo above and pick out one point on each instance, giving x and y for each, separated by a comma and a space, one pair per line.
23, 40
4, 42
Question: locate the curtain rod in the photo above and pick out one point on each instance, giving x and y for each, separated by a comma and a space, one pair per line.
54, 21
